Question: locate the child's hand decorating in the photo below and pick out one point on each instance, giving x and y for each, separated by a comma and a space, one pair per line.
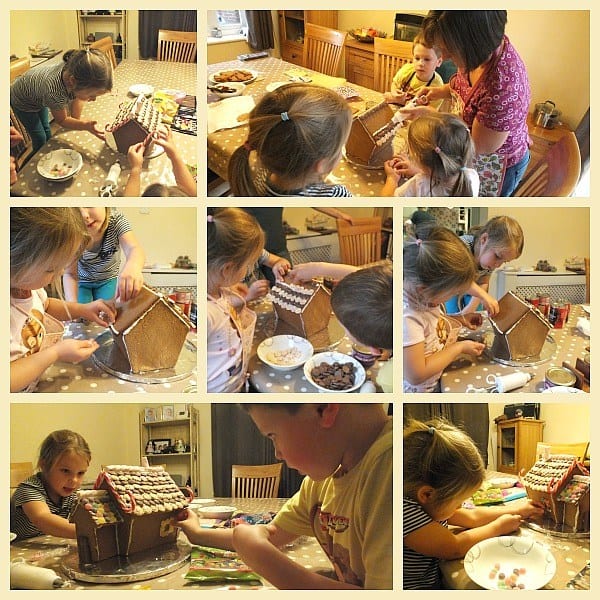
471, 348
74, 351
165, 139
529, 509
129, 285
135, 155
101, 312
92, 127
505, 524
281, 268
472, 320
257, 289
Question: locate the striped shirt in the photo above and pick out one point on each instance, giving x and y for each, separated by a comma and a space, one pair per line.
102, 263
40, 87
33, 490
420, 572
320, 189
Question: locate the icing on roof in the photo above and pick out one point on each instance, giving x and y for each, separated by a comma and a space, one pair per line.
550, 474
100, 506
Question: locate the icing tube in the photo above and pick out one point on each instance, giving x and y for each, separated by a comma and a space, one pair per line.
505, 383
24, 576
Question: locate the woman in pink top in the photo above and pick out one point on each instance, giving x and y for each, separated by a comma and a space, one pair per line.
491, 85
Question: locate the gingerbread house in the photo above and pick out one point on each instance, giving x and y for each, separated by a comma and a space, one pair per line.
520, 329
562, 485
137, 121
372, 134
305, 307
149, 332
131, 509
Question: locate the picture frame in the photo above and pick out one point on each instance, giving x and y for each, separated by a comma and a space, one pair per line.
182, 411
168, 412
150, 415
160, 445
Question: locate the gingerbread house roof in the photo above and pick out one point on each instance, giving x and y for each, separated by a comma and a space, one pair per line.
135, 121
141, 490
553, 473
99, 505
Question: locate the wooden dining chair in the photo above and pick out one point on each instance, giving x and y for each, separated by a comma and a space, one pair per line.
360, 243
105, 45
22, 151
389, 56
255, 481
586, 262
556, 174
18, 67
323, 48
20, 471
176, 46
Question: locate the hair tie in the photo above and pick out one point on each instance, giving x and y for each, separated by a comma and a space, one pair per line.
209, 219
431, 430
285, 116
437, 150
247, 146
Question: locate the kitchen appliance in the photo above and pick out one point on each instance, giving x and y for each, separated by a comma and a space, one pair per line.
547, 115
407, 26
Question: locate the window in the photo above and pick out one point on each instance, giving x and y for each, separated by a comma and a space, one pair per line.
227, 22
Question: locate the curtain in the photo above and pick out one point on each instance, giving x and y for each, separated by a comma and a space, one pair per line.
472, 418
237, 441
150, 21
260, 29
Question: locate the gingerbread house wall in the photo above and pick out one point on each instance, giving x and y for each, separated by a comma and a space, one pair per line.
314, 316
141, 532
94, 543
128, 134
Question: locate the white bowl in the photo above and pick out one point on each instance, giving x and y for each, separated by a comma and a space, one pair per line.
216, 512
562, 389
141, 89
330, 358
237, 87
60, 165
508, 553
285, 352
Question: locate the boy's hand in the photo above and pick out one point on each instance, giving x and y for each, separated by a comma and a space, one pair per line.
100, 312
303, 272
74, 351
135, 155
248, 538
471, 348
506, 524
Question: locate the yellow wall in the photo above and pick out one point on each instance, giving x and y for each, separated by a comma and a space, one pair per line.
57, 27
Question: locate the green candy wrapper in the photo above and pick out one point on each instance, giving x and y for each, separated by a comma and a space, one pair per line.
215, 565
489, 496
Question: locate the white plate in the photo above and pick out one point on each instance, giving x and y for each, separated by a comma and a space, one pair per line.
60, 165
586, 308
202, 502
502, 482
562, 389
276, 84
510, 552
254, 74
141, 89
269, 351
330, 358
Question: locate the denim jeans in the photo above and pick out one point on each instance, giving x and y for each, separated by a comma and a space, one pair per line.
37, 125
513, 175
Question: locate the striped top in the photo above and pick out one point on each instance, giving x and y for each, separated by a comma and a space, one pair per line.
39, 87
32, 490
419, 572
320, 189
103, 262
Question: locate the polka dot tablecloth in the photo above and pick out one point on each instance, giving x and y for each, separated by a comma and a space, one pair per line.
50, 552
97, 156
570, 343
87, 376
221, 144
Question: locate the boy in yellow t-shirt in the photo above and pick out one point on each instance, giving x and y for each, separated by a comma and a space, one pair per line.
345, 500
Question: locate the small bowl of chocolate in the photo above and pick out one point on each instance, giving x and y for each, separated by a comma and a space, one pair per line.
334, 372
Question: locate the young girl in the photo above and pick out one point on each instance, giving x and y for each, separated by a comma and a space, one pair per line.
235, 242
61, 88
186, 184
41, 504
498, 241
436, 267
442, 468
295, 139
96, 274
43, 241
440, 147
255, 284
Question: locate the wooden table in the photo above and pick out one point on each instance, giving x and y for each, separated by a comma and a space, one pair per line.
570, 345
50, 552
221, 144
97, 156
87, 376
571, 555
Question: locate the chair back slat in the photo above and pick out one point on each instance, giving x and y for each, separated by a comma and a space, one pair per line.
360, 243
323, 48
255, 481
177, 46
389, 56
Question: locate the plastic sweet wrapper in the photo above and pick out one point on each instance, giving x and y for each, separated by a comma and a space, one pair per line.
166, 106
215, 565
489, 496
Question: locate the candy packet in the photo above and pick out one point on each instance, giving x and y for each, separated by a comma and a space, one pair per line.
489, 496
216, 565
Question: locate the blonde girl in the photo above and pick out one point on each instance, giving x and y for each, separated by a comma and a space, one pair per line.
97, 274
441, 149
43, 241
63, 90
295, 139
442, 468
41, 504
235, 242
436, 266
492, 244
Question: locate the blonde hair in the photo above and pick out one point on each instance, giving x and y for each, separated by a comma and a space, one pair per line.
164, 191
40, 236
291, 129
234, 236
503, 232
440, 455
442, 144
438, 261
57, 443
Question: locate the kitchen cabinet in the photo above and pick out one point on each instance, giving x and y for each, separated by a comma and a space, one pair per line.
291, 30
517, 441
158, 441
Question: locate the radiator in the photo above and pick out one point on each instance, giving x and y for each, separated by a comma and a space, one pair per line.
317, 248
529, 284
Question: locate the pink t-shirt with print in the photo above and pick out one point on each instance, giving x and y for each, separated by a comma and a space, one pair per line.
499, 101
